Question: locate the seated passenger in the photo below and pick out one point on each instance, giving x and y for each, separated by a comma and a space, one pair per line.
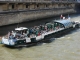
14, 39
10, 36
13, 33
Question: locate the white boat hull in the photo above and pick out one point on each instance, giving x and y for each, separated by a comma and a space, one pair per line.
28, 40
7, 41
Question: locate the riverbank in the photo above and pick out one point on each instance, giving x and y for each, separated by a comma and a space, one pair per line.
18, 17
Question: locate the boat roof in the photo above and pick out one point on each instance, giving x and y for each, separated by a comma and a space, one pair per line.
63, 21
48, 23
21, 28
66, 22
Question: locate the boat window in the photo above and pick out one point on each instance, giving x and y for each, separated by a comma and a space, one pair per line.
54, 24
59, 25
62, 26
19, 32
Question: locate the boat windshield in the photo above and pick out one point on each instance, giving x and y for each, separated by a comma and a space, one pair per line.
21, 31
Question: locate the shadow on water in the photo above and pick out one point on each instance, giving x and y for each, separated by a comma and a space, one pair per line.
24, 46
11, 47
66, 33
49, 39
39, 43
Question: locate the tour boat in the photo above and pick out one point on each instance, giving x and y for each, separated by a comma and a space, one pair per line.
22, 36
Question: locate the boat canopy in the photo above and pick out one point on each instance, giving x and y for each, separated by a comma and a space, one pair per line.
21, 28
66, 23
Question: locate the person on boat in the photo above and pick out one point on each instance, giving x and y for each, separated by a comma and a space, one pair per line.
37, 31
11, 35
14, 39
8, 34
18, 34
24, 33
61, 17
49, 26
32, 36
45, 27
41, 29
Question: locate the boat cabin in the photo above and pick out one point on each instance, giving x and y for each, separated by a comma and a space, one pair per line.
63, 23
21, 31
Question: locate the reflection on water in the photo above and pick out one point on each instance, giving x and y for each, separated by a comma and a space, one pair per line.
64, 48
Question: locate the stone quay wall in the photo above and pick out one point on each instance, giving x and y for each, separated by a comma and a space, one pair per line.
18, 17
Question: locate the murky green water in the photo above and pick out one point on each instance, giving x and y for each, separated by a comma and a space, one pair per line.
64, 48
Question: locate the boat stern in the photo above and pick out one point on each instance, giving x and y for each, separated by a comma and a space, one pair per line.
6, 41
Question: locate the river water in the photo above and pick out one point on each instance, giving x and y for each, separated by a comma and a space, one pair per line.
66, 47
